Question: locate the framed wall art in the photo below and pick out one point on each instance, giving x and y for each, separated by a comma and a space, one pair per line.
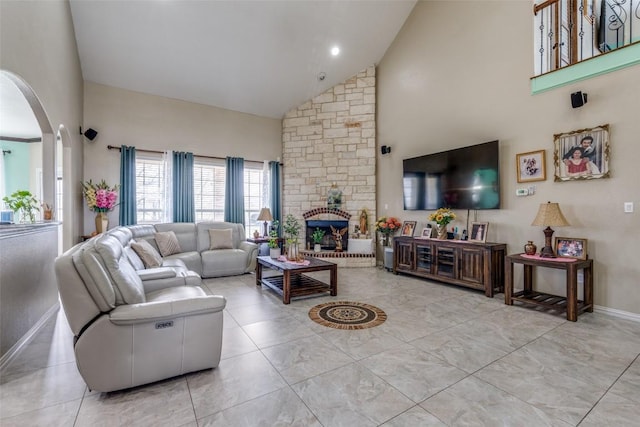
582, 154
570, 247
531, 166
479, 232
408, 227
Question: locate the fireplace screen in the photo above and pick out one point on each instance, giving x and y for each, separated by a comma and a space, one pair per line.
328, 243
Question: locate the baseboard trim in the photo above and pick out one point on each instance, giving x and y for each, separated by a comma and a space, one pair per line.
14, 351
617, 313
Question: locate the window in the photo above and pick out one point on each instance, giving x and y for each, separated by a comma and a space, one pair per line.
253, 199
150, 199
208, 191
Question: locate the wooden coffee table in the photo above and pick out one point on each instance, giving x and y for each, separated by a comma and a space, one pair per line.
292, 282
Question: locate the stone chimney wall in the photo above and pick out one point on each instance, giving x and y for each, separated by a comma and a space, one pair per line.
332, 138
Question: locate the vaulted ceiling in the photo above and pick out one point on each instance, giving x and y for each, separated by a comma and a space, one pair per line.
257, 57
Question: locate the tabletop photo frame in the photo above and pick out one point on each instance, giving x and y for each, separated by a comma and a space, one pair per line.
479, 232
408, 227
425, 234
570, 247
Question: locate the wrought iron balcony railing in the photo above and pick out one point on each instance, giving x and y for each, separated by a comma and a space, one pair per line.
570, 31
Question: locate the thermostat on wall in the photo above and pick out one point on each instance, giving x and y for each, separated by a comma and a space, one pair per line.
522, 192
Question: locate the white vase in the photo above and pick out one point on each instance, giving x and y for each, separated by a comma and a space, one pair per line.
317, 247
274, 253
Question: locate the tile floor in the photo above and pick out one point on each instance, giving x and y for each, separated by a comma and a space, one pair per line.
446, 356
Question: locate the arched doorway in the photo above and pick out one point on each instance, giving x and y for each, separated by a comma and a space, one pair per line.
54, 174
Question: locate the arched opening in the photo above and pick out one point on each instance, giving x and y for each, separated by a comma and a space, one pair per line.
26, 126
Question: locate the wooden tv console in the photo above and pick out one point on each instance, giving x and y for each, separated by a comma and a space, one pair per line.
474, 265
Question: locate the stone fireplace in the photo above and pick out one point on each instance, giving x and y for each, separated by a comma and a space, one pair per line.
330, 139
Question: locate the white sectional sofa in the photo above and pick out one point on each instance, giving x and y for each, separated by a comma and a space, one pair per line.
135, 325
238, 257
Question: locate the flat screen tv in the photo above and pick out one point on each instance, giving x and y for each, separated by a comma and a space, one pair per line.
463, 178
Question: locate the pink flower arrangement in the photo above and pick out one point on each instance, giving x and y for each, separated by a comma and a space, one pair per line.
100, 197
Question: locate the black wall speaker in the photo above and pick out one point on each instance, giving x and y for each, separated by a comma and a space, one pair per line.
385, 149
578, 99
91, 134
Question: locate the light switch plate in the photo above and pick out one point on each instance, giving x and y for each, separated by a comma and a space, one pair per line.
628, 207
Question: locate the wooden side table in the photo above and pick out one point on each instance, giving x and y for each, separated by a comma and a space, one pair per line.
570, 303
262, 244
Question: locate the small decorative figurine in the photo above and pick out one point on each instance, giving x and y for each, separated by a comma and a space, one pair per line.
337, 236
364, 222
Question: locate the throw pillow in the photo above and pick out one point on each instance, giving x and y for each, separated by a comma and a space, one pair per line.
220, 239
167, 243
149, 256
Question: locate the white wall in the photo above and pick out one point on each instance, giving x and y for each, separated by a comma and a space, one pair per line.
458, 74
157, 123
38, 44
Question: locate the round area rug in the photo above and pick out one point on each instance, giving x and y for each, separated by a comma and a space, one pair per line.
347, 315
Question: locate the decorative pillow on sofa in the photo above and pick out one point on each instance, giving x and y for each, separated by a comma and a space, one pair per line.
220, 238
167, 243
147, 253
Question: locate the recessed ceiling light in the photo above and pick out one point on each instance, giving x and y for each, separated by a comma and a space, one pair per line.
335, 51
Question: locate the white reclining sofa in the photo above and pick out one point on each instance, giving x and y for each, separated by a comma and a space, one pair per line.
135, 325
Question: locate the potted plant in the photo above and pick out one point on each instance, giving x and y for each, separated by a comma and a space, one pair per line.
22, 202
274, 248
291, 229
317, 239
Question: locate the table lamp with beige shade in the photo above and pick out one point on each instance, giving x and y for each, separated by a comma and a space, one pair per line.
265, 215
549, 215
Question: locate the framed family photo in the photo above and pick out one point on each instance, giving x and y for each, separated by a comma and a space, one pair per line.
531, 166
582, 154
570, 247
426, 233
479, 232
408, 227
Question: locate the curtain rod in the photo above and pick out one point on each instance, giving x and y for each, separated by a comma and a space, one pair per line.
115, 147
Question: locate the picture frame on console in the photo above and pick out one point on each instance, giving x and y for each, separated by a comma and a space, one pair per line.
531, 166
408, 227
570, 247
582, 154
426, 233
479, 232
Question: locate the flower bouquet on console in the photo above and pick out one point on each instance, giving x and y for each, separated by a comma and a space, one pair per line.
387, 226
100, 198
442, 217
